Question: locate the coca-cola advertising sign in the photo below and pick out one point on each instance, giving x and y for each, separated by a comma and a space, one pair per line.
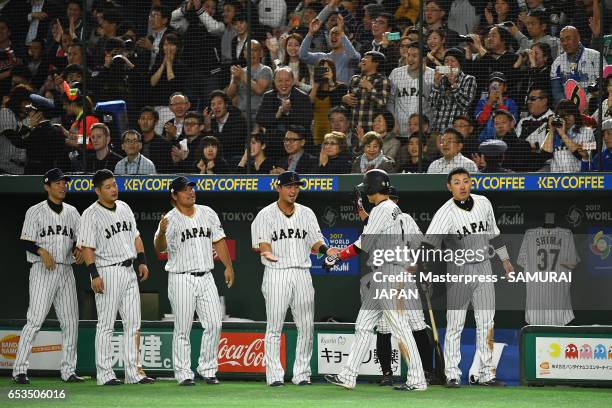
243, 352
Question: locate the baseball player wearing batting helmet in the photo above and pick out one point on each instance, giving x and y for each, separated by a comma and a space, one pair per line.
413, 237
383, 228
49, 237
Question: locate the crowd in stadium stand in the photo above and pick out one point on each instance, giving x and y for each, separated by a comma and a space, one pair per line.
324, 87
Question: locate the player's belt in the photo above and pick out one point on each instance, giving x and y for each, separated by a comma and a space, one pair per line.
193, 273
127, 263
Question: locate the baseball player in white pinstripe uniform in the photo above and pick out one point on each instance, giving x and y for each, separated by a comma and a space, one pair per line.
548, 250
413, 238
49, 236
285, 233
404, 97
382, 230
188, 233
111, 246
467, 221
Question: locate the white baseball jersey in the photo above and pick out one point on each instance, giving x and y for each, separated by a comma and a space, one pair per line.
462, 229
548, 250
563, 160
404, 98
57, 234
585, 70
412, 238
187, 236
110, 232
384, 230
411, 233
52, 231
291, 237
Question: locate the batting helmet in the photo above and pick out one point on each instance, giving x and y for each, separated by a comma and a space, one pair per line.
393, 193
376, 181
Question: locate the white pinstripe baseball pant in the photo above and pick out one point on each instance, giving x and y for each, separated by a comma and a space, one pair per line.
414, 314
188, 293
121, 294
370, 313
482, 297
48, 288
283, 288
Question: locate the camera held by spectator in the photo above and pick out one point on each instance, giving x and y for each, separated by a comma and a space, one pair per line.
319, 74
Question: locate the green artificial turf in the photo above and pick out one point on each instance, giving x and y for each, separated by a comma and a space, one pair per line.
257, 394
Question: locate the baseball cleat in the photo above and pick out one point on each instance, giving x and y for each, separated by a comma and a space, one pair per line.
277, 384
493, 382
211, 380
113, 381
337, 381
387, 381
75, 379
433, 379
452, 383
305, 382
187, 383
406, 387
21, 379
147, 380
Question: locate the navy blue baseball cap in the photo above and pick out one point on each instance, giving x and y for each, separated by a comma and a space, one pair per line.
54, 175
289, 177
180, 183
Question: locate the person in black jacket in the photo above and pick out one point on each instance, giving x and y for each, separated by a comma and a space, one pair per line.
186, 153
518, 156
260, 164
227, 124
44, 143
283, 107
334, 157
296, 158
383, 23
168, 75
154, 146
102, 156
37, 63
496, 56
202, 48
211, 160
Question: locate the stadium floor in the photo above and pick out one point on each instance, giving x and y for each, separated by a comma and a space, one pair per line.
256, 394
